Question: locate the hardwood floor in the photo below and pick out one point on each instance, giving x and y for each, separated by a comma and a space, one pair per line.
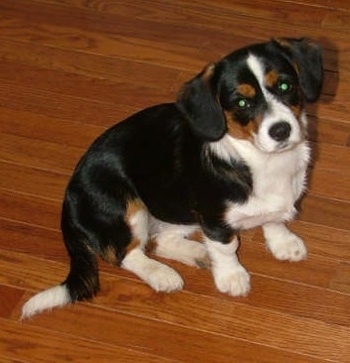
71, 68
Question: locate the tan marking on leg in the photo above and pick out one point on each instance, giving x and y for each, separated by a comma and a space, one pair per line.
197, 235
151, 246
133, 207
109, 255
135, 243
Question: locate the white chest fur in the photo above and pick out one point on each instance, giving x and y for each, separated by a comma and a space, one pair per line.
278, 181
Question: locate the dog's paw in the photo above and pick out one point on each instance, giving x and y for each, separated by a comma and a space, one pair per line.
235, 282
291, 248
159, 276
163, 278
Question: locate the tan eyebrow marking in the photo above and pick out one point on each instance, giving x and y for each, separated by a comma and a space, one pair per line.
271, 78
246, 90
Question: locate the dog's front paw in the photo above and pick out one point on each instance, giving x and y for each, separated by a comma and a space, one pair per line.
291, 248
163, 278
235, 282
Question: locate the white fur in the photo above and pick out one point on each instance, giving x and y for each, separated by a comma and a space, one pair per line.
56, 296
171, 242
229, 275
284, 244
278, 180
225, 149
159, 276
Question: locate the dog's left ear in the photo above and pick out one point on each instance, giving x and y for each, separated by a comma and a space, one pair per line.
198, 102
307, 57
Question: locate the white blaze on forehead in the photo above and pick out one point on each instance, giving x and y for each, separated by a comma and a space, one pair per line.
257, 68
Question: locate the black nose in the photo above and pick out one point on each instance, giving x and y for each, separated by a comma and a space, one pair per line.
280, 131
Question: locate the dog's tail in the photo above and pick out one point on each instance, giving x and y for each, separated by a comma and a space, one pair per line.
82, 282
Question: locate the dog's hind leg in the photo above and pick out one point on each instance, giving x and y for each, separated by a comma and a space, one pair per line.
159, 276
174, 242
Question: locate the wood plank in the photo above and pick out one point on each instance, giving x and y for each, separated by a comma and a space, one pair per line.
151, 42
80, 86
305, 303
322, 183
324, 241
272, 11
10, 360
341, 281
150, 48
9, 299
27, 180
32, 345
214, 342
53, 105
36, 241
39, 154
30, 125
341, 5
332, 157
102, 67
327, 212
30, 209
178, 348
329, 131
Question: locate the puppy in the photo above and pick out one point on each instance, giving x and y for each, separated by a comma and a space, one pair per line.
229, 154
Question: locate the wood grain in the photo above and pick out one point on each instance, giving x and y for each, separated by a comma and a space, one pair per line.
69, 69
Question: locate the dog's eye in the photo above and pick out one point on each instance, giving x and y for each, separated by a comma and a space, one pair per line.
242, 103
284, 87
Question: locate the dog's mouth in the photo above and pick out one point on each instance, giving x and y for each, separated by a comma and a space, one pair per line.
284, 145
276, 147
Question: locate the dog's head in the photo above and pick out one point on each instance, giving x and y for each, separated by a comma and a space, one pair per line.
256, 93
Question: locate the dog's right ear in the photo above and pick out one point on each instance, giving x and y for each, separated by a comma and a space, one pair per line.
198, 102
307, 58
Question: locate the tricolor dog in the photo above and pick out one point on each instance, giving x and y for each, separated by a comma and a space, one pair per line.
230, 154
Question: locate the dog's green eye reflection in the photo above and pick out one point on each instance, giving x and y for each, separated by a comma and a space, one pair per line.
284, 87
242, 103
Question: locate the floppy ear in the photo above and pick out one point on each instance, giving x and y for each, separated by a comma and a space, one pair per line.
198, 103
308, 58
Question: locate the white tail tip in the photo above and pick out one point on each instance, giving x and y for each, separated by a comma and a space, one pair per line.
56, 296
